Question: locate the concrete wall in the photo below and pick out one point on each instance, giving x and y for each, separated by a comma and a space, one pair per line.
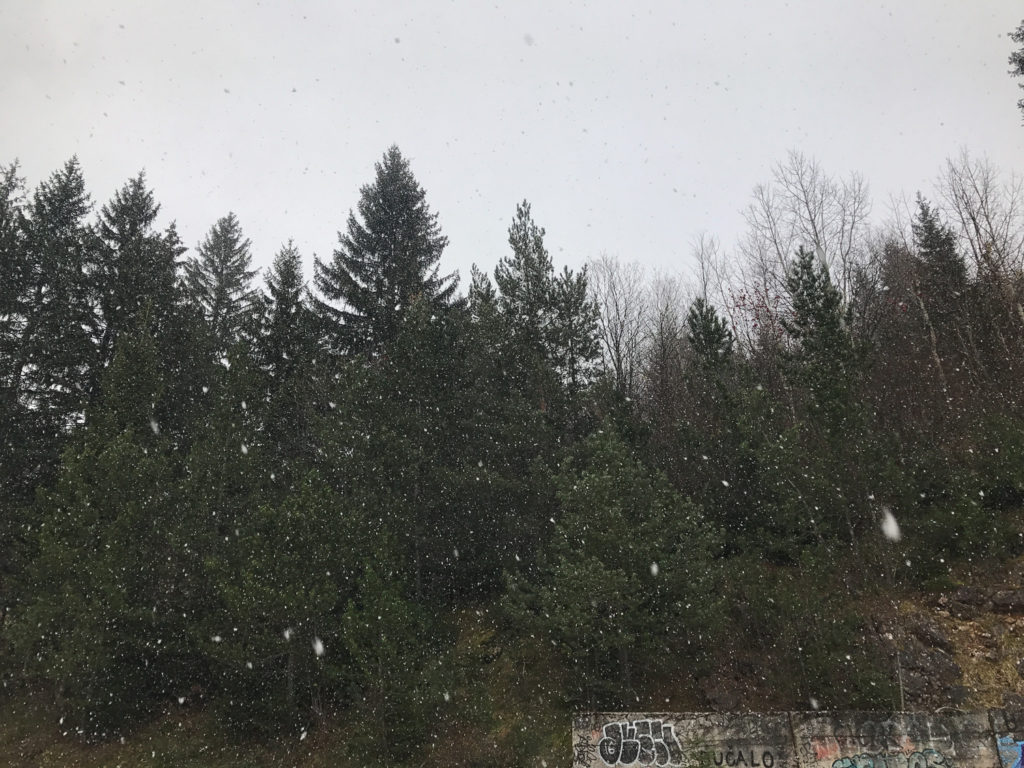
993, 739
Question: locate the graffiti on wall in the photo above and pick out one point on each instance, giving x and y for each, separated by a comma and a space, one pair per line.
640, 742
890, 734
797, 740
1011, 752
925, 758
740, 758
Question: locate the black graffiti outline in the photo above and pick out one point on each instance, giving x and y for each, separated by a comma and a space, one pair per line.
925, 758
735, 758
646, 741
585, 752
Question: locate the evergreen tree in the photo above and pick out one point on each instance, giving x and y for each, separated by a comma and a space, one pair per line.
386, 260
551, 318
525, 280
286, 348
1017, 57
53, 352
281, 586
285, 340
626, 554
15, 308
572, 338
219, 281
398, 651
110, 587
824, 353
15, 287
942, 268
708, 334
137, 269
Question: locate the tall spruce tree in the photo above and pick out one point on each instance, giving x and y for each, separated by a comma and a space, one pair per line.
386, 260
286, 329
136, 273
1017, 58
942, 268
286, 350
708, 334
551, 318
109, 591
219, 281
55, 357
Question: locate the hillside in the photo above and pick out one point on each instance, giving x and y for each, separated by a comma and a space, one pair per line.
959, 648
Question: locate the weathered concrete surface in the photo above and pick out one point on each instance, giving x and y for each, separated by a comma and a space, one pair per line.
992, 739
673, 739
904, 740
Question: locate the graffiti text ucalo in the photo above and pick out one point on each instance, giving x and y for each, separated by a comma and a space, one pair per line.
926, 758
640, 742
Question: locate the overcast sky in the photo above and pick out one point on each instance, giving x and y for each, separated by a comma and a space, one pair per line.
631, 127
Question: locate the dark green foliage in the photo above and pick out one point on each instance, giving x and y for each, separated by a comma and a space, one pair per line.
200, 487
798, 631
708, 334
627, 574
56, 354
136, 271
281, 581
106, 620
287, 351
398, 650
219, 281
824, 354
551, 319
1017, 57
385, 261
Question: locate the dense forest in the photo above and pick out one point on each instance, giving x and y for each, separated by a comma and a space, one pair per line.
276, 498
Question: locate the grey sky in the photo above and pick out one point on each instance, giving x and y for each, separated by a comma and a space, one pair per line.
631, 127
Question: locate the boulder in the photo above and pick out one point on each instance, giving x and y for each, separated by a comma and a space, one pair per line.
1008, 601
975, 596
930, 633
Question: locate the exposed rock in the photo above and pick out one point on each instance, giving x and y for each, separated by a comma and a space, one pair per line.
930, 633
720, 694
965, 611
915, 684
975, 596
929, 674
957, 694
1020, 667
1013, 701
1008, 601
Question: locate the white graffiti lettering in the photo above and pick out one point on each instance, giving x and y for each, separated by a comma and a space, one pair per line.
640, 742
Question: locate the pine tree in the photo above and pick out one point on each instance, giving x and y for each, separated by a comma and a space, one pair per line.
219, 281
286, 336
551, 318
626, 553
15, 308
572, 336
385, 261
55, 354
110, 590
137, 269
286, 350
708, 334
15, 287
1017, 57
942, 268
525, 280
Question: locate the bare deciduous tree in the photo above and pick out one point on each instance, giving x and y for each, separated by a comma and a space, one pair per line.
620, 294
803, 205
